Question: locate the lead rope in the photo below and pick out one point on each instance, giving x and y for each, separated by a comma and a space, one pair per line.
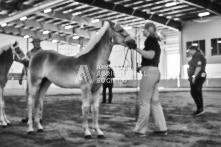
125, 58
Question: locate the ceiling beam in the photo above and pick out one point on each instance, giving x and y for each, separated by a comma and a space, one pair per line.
31, 10
40, 25
205, 4
130, 11
71, 18
10, 30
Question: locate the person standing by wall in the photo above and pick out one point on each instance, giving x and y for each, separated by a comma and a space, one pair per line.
197, 77
36, 47
149, 95
108, 84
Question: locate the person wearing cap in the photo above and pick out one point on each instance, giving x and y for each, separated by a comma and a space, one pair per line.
36, 47
149, 95
108, 84
197, 76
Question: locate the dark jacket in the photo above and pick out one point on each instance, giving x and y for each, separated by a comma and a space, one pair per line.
198, 60
110, 76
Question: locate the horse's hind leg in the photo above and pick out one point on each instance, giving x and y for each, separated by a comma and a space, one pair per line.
2, 105
34, 93
6, 120
25, 118
95, 112
85, 109
39, 108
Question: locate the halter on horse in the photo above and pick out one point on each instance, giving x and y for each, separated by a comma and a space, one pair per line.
8, 54
48, 67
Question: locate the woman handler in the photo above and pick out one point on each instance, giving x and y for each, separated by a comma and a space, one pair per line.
149, 96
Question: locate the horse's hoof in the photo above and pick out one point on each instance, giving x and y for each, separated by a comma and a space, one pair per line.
24, 120
100, 136
40, 130
30, 133
5, 126
87, 137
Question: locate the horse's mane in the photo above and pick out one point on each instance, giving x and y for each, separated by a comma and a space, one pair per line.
5, 48
94, 40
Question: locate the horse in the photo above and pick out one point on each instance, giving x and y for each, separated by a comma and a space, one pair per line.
81, 70
8, 54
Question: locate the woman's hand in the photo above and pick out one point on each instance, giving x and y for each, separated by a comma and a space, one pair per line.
193, 80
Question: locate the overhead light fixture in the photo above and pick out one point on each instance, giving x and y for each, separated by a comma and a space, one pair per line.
152, 12
203, 14
194, 44
68, 27
26, 36
176, 19
76, 37
46, 32
67, 11
82, 26
23, 18
95, 20
170, 4
47, 10
76, 13
128, 27
169, 17
54, 41
4, 25
219, 41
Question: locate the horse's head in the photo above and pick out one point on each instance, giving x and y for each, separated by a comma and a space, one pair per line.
120, 36
18, 54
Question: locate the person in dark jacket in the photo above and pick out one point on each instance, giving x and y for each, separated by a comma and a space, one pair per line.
197, 77
108, 84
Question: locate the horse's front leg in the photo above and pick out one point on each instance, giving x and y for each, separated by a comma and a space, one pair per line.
95, 113
31, 102
85, 110
38, 115
2, 103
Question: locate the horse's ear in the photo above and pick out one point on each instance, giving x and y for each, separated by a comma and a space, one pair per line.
15, 44
111, 23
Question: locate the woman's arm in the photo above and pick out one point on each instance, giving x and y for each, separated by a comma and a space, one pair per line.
197, 71
146, 54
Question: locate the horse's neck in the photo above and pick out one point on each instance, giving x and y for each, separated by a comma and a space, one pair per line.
6, 60
102, 50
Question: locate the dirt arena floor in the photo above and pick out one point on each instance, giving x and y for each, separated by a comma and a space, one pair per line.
62, 123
